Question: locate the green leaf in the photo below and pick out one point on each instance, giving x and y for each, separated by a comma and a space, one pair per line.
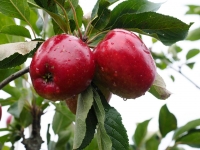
132, 6
64, 137
167, 121
17, 54
164, 28
62, 118
158, 89
104, 141
4, 138
25, 118
190, 65
79, 14
15, 9
16, 108
193, 9
191, 139
100, 14
99, 5
152, 143
113, 125
194, 35
49, 5
84, 104
174, 50
16, 30
191, 53
140, 133
190, 125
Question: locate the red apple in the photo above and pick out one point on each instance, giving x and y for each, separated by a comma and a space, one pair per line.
124, 64
8, 120
0, 112
72, 102
63, 66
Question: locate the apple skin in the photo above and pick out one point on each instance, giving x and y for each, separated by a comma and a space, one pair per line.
72, 102
63, 66
124, 64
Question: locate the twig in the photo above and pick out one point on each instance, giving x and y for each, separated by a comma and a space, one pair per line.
179, 71
13, 77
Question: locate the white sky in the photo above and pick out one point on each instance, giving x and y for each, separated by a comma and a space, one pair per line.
185, 100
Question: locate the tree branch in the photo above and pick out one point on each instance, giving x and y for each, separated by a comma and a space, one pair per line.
35, 141
179, 71
13, 77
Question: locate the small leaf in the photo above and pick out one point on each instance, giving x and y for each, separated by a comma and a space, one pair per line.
158, 89
84, 104
62, 118
16, 30
190, 125
16, 108
194, 35
167, 121
140, 133
190, 65
174, 50
191, 139
15, 9
25, 118
164, 28
191, 53
17, 54
99, 5
172, 77
193, 9
152, 143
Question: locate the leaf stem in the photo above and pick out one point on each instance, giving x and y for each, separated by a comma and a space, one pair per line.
180, 72
66, 17
75, 18
90, 40
13, 77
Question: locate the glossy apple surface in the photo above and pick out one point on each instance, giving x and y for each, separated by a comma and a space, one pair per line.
124, 64
63, 66
72, 102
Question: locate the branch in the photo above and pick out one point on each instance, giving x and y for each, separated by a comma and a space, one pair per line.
13, 77
35, 141
179, 71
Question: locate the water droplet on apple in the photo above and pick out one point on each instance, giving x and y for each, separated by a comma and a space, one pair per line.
37, 70
102, 69
125, 99
112, 43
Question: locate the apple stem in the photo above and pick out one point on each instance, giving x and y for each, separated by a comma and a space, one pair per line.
66, 17
75, 19
13, 77
91, 39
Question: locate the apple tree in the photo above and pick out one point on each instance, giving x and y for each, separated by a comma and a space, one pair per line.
31, 30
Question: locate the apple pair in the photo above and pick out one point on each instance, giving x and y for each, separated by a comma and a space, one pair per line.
64, 66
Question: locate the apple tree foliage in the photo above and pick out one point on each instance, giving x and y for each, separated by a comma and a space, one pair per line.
25, 24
